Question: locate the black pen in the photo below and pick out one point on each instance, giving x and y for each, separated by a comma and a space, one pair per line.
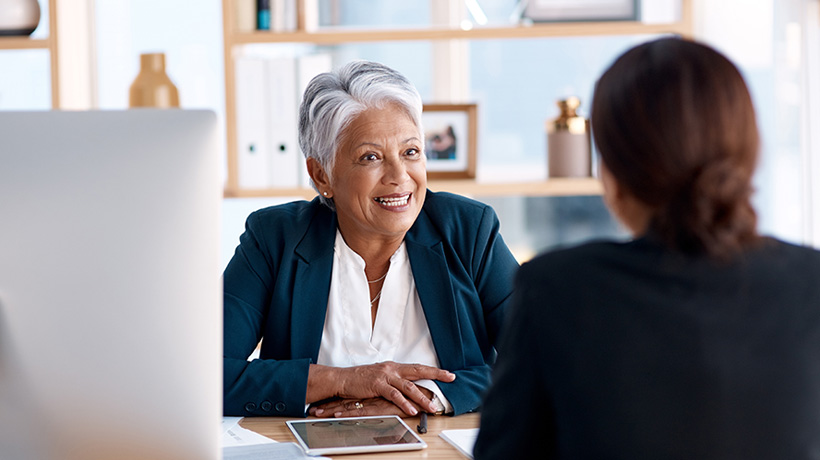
423, 424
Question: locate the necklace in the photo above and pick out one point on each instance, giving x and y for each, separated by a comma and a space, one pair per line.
380, 290
377, 280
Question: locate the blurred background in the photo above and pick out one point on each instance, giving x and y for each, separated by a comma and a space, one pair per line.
515, 81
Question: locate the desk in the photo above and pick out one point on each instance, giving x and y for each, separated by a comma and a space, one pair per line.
437, 448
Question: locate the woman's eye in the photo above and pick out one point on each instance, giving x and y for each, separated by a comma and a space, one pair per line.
369, 157
412, 152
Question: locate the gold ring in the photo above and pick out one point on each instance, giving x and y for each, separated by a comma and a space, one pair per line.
358, 405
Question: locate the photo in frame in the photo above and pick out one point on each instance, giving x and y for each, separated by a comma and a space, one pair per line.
581, 10
450, 132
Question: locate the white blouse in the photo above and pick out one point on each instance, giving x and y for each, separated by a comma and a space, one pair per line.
400, 332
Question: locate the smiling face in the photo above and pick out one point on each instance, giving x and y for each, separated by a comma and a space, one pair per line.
379, 179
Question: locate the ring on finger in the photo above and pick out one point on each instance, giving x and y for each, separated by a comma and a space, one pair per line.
358, 405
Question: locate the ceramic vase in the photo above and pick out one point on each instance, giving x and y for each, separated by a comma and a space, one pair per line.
152, 87
19, 17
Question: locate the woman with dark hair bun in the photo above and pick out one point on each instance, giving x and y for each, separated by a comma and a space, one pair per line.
676, 130
697, 339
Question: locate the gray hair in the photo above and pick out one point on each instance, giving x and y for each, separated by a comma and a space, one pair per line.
333, 99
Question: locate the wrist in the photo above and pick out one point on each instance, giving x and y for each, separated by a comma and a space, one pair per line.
323, 382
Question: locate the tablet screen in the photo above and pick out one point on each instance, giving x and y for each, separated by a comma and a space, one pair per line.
355, 434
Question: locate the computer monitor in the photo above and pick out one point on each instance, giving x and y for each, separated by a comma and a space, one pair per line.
110, 294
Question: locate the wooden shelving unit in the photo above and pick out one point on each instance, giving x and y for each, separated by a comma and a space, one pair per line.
24, 43
550, 187
337, 36
49, 44
350, 35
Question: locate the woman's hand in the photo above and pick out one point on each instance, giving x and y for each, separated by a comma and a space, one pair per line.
358, 408
388, 380
361, 408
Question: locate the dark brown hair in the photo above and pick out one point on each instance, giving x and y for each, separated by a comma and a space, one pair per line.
674, 123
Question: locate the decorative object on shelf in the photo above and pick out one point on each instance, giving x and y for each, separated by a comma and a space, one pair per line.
587, 10
450, 140
262, 14
568, 142
19, 17
152, 87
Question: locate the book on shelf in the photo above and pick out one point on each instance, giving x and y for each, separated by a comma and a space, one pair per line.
268, 15
283, 15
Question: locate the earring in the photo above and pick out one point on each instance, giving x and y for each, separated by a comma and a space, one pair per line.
324, 193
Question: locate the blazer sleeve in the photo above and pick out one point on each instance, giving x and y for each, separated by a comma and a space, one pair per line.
516, 409
492, 268
261, 387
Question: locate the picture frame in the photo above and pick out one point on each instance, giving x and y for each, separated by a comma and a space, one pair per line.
581, 10
450, 136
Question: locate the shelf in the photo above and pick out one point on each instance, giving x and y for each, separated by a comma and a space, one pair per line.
48, 44
329, 36
233, 40
24, 43
551, 187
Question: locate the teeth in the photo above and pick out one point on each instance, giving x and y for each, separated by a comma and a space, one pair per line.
401, 201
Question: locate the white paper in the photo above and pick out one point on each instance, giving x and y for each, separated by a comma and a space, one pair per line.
229, 422
277, 451
235, 435
463, 440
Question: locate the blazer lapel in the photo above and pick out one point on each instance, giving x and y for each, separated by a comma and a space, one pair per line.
311, 285
433, 283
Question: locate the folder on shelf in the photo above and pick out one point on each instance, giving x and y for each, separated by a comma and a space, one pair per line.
268, 94
253, 150
285, 165
307, 67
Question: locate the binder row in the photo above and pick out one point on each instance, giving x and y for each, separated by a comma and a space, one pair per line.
268, 94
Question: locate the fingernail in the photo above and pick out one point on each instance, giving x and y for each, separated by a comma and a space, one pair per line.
432, 408
413, 411
337, 414
319, 411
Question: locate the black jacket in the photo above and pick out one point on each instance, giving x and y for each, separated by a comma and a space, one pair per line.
628, 351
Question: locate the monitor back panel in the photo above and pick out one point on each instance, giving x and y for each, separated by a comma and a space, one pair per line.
110, 298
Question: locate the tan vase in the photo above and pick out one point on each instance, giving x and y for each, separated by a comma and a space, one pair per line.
152, 87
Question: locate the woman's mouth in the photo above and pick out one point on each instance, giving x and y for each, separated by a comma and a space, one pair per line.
393, 201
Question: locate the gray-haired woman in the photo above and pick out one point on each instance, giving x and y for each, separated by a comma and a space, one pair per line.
377, 297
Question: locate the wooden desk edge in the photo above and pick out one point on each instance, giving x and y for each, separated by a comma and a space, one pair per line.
437, 448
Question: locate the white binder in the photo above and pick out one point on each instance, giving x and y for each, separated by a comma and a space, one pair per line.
307, 67
252, 121
283, 106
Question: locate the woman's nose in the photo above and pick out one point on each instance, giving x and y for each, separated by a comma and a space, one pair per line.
395, 171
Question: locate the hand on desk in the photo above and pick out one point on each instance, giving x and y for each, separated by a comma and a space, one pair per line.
379, 389
349, 408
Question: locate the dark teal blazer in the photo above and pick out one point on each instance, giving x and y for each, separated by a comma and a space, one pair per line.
276, 288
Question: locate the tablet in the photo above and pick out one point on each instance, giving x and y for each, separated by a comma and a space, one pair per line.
354, 435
